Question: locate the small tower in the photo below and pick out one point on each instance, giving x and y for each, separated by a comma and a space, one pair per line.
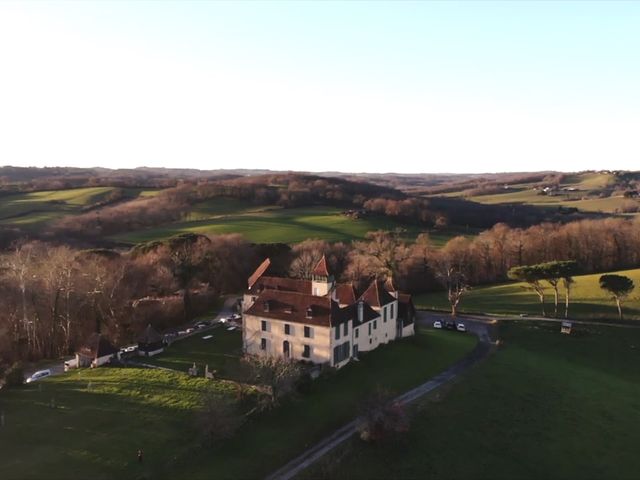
321, 280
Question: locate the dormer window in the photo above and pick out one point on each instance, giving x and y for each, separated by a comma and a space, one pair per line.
288, 309
309, 312
266, 306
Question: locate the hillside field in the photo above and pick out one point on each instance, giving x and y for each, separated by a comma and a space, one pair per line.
588, 301
583, 196
103, 416
34, 209
545, 405
276, 225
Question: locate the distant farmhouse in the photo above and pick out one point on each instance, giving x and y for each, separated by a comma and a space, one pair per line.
319, 320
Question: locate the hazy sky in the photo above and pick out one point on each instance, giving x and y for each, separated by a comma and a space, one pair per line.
405, 87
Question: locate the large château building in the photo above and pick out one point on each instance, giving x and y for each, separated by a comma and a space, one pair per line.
319, 320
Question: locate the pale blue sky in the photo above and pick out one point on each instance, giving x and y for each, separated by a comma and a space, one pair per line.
349, 86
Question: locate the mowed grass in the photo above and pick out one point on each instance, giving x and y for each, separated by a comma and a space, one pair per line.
545, 405
101, 418
271, 440
221, 352
290, 225
588, 301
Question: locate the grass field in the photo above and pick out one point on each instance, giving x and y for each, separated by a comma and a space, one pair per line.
37, 208
101, 418
276, 225
273, 439
222, 350
583, 183
588, 301
544, 405
42, 206
95, 431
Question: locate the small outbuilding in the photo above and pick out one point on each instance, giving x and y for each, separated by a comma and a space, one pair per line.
96, 351
150, 342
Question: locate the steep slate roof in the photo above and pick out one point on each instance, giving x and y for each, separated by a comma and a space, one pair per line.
97, 346
259, 272
321, 269
346, 293
406, 309
149, 335
376, 295
368, 314
282, 284
292, 307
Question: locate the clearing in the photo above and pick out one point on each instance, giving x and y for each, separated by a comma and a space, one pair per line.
545, 405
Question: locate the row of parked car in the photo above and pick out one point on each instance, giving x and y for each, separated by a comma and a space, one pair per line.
450, 325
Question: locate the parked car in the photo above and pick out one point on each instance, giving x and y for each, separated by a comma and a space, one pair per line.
223, 320
460, 327
437, 324
190, 330
235, 316
201, 324
450, 325
40, 374
130, 349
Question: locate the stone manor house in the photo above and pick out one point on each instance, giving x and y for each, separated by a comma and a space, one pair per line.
319, 320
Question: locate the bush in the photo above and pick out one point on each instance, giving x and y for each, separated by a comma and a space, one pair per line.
14, 376
382, 418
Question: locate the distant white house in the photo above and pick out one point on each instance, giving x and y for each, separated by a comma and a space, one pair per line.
319, 320
96, 351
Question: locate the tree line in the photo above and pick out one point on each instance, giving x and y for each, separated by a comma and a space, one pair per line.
52, 296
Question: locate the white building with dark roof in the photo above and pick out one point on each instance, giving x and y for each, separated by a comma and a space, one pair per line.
319, 320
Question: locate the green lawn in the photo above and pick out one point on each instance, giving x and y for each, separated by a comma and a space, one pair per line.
290, 225
544, 406
95, 430
101, 418
220, 352
273, 439
588, 301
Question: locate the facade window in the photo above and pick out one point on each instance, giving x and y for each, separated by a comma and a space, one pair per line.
307, 332
355, 332
306, 352
391, 311
286, 349
263, 344
375, 324
338, 332
287, 329
341, 352
263, 324
346, 329
369, 328
384, 314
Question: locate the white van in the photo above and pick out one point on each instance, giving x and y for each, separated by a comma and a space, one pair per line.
40, 374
